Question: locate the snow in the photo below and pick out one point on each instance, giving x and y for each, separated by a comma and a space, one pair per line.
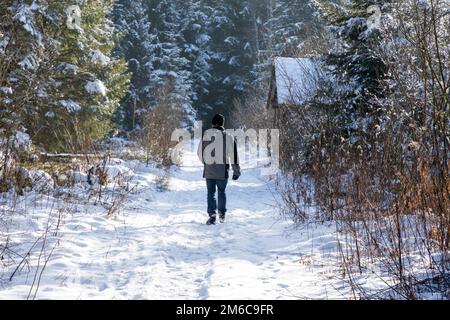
296, 79
3, 43
22, 141
6, 90
160, 248
29, 62
202, 39
115, 168
227, 80
25, 14
231, 41
68, 68
78, 177
50, 114
221, 20
196, 26
96, 87
70, 105
74, 18
98, 57
424, 4
42, 182
41, 93
355, 22
234, 61
239, 86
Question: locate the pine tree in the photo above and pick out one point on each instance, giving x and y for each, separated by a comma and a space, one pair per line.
353, 59
22, 52
281, 29
27, 47
168, 64
232, 53
63, 84
87, 82
196, 45
132, 21
290, 22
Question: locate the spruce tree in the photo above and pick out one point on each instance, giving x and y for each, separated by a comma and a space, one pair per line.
195, 31
27, 48
168, 65
232, 53
290, 22
132, 21
353, 60
86, 84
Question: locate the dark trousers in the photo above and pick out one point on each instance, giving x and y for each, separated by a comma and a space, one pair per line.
221, 185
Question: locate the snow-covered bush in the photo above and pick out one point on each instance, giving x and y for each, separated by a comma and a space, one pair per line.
371, 151
23, 180
104, 172
159, 123
21, 142
42, 182
77, 177
13, 148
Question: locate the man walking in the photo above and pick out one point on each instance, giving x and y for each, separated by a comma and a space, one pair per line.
217, 151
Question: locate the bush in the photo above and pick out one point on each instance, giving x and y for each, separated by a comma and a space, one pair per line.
384, 179
158, 123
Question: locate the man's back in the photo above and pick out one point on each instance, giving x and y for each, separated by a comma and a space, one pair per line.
217, 151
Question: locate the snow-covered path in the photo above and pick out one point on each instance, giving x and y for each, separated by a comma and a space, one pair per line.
160, 248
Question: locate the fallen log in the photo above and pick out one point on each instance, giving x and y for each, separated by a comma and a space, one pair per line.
68, 156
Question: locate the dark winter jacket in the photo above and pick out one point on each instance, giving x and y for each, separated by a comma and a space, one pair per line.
220, 166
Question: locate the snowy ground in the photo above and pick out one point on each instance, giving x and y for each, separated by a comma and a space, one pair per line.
158, 247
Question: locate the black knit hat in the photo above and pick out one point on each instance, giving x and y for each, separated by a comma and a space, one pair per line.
218, 120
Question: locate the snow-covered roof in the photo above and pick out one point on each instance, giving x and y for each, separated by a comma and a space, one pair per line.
296, 80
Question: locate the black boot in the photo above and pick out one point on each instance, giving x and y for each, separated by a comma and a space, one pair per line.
211, 220
221, 217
